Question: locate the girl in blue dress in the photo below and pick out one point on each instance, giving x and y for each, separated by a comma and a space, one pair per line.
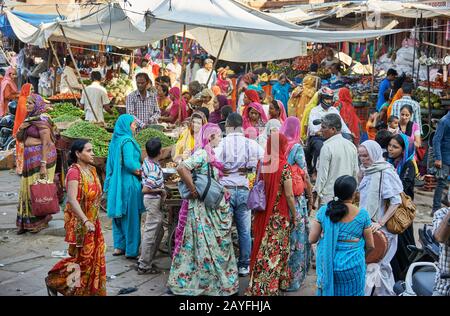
347, 239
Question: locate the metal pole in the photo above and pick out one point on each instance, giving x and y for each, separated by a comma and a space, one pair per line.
429, 88
183, 68
60, 66
418, 49
218, 56
414, 53
78, 72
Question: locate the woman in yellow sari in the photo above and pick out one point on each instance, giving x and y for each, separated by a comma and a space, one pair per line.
312, 104
84, 272
301, 96
186, 141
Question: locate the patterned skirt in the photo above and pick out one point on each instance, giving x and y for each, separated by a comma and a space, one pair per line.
270, 273
300, 256
84, 273
32, 157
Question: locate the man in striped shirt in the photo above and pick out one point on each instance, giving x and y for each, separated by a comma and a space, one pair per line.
143, 102
407, 100
154, 195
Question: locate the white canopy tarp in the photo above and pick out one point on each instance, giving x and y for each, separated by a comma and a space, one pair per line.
252, 35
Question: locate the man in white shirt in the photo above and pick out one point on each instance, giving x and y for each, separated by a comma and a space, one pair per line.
98, 98
202, 75
238, 155
69, 79
338, 157
315, 139
175, 71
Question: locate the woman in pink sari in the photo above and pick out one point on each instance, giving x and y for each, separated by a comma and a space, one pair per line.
177, 111
254, 120
8, 90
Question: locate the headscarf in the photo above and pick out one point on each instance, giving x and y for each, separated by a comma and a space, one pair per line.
270, 125
283, 115
397, 96
216, 116
223, 84
114, 165
209, 105
176, 104
202, 141
37, 118
408, 154
378, 166
252, 95
187, 139
21, 111
246, 119
272, 169
348, 113
291, 129
7, 80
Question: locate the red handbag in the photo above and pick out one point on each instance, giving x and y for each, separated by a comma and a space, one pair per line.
298, 181
44, 198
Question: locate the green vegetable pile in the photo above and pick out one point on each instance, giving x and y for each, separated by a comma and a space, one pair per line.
98, 136
65, 108
143, 136
110, 119
66, 118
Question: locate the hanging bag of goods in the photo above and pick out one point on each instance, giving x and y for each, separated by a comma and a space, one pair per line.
44, 198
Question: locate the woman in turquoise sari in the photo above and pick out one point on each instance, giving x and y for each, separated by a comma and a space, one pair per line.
340, 259
300, 254
123, 188
280, 90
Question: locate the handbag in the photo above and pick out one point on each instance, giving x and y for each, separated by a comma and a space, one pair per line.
403, 216
257, 197
44, 198
211, 192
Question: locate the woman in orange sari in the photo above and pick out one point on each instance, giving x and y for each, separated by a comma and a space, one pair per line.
84, 272
21, 115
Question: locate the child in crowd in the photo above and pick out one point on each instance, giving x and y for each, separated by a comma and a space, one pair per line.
154, 195
383, 138
371, 125
393, 125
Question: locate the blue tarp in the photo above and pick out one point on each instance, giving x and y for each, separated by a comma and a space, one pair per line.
33, 19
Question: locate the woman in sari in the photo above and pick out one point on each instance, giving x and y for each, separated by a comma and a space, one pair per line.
219, 102
37, 133
224, 83
272, 125
8, 90
271, 228
346, 240
177, 112
380, 184
280, 90
401, 156
83, 230
348, 113
254, 120
305, 119
300, 249
183, 150
276, 111
21, 114
301, 96
397, 96
205, 263
249, 97
163, 96
207, 98
123, 187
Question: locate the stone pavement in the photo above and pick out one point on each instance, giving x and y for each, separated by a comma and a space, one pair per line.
26, 259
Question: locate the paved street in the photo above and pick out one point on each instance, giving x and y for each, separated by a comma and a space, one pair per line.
25, 259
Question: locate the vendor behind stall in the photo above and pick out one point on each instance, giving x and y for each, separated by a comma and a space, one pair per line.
384, 85
97, 96
69, 79
330, 60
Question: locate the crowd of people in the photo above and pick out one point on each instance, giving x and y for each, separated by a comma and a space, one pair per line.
303, 146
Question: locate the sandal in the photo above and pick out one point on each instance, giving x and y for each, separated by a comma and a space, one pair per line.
152, 270
118, 253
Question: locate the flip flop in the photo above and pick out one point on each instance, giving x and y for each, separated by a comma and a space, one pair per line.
152, 270
116, 254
